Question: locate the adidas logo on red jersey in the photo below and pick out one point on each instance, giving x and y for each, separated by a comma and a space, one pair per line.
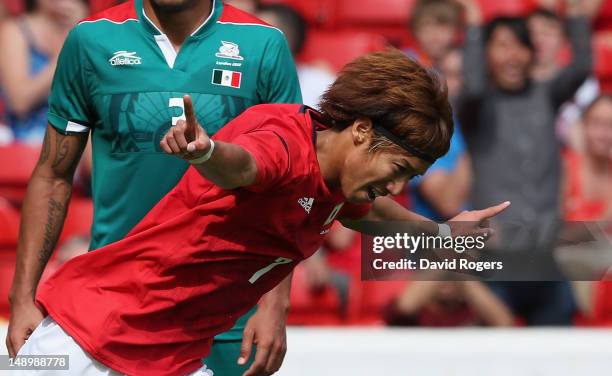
306, 203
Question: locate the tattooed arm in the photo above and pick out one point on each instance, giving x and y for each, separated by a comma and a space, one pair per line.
42, 218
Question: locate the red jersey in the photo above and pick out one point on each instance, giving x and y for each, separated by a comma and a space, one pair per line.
152, 302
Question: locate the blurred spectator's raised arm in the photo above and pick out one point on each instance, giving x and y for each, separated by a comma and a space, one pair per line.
474, 63
489, 308
565, 84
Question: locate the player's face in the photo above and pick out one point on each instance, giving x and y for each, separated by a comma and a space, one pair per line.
367, 174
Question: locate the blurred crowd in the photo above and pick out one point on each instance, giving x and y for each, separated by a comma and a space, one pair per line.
529, 82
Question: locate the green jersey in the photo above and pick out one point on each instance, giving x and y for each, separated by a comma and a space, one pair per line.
119, 77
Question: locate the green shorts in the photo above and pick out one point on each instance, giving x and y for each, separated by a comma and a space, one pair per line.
226, 350
223, 357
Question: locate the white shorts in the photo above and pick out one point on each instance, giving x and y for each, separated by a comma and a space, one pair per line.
50, 339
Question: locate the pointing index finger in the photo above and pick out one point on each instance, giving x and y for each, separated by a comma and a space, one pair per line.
190, 114
493, 210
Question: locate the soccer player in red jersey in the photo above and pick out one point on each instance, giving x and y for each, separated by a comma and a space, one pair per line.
260, 198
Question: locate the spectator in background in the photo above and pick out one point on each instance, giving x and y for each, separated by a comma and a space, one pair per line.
314, 79
33, 42
249, 6
547, 32
588, 172
509, 128
447, 304
442, 192
588, 192
434, 25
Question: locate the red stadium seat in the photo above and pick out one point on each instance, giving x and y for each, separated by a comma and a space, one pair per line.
9, 224
2, 110
602, 54
18, 161
493, 8
602, 304
339, 48
603, 20
318, 12
78, 220
373, 297
7, 268
381, 12
14, 7
308, 308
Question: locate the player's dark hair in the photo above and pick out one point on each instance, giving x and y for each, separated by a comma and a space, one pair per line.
290, 19
395, 93
516, 25
30, 5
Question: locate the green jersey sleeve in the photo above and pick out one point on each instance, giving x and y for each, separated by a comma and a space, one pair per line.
68, 101
278, 79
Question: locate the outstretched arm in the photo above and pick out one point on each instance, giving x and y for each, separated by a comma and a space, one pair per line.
475, 73
564, 86
386, 209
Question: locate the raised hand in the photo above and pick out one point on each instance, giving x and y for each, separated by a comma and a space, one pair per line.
187, 139
473, 14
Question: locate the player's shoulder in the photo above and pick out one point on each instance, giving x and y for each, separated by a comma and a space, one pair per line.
285, 119
117, 16
275, 111
234, 18
288, 120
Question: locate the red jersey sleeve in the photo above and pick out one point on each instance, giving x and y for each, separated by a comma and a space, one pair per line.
271, 154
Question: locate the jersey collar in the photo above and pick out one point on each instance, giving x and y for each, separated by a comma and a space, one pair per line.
315, 122
217, 9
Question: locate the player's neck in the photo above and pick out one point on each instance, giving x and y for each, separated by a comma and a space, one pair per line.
178, 24
328, 143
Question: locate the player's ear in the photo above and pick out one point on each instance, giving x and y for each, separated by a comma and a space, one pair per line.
361, 130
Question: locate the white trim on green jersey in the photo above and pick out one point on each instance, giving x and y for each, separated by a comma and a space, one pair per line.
71, 126
206, 20
111, 21
250, 24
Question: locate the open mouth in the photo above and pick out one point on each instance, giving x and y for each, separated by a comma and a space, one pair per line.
371, 193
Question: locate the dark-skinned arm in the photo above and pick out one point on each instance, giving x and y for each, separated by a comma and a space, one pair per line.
42, 217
